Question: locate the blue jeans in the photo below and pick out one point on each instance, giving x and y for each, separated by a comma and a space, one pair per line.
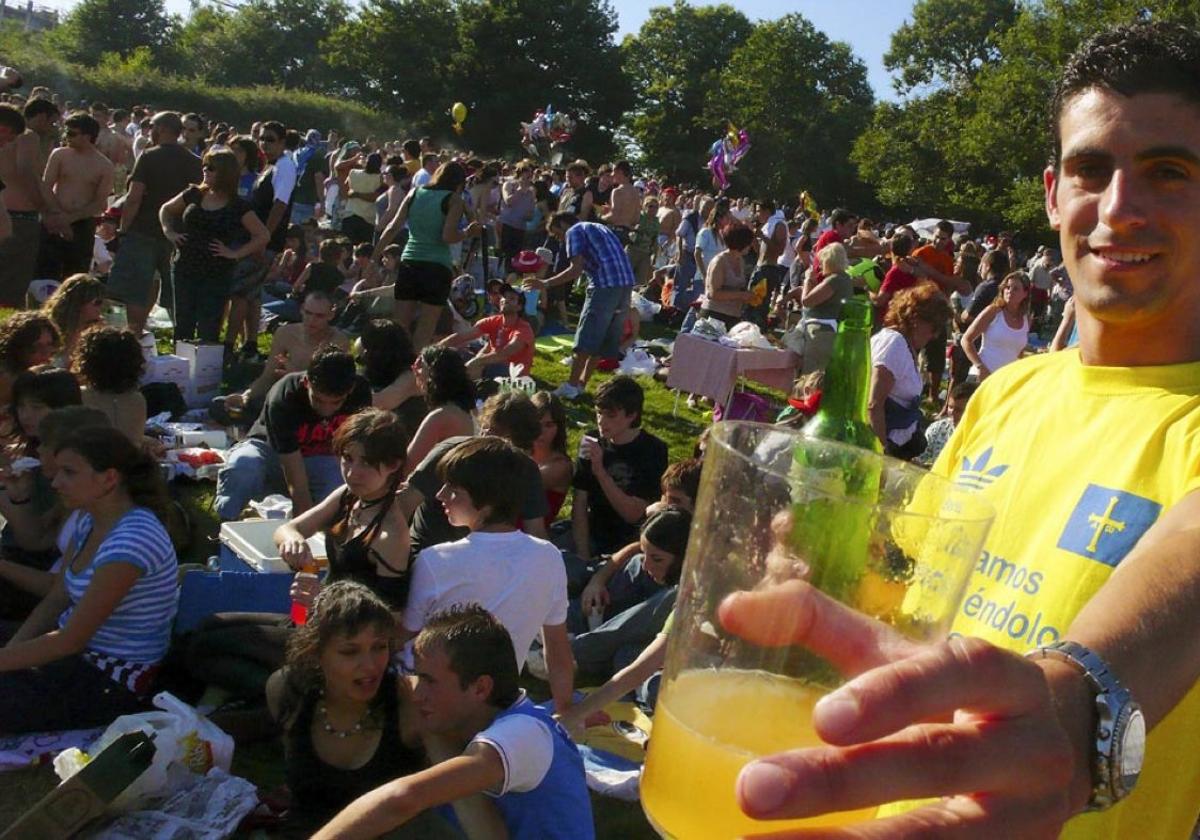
601, 321
627, 588
285, 309
687, 289
621, 639
301, 213
252, 471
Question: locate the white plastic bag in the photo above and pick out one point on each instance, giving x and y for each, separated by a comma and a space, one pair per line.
709, 328
275, 506
750, 336
638, 362
646, 308
186, 744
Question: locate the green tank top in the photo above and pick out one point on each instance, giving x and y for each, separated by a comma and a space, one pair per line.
425, 223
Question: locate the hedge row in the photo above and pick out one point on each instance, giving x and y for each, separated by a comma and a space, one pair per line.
122, 85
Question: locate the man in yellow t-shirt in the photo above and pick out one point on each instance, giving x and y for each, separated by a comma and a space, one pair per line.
1092, 460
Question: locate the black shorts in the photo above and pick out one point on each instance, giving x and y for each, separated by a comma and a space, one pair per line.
424, 282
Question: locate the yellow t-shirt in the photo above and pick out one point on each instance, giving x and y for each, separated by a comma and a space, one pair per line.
1079, 462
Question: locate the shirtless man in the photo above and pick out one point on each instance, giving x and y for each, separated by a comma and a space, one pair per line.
625, 204
81, 179
29, 205
669, 218
114, 143
292, 348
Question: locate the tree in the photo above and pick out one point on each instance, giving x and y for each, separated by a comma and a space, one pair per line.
674, 64
974, 146
95, 27
517, 56
804, 99
947, 42
263, 42
396, 55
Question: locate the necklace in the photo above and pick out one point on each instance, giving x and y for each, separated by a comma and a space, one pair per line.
363, 504
356, 729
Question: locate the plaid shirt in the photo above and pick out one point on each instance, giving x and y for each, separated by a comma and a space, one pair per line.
604, 258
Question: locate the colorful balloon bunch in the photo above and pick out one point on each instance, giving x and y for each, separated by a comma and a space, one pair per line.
551, 125
725, 153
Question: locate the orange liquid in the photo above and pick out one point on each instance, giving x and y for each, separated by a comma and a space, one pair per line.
707, 727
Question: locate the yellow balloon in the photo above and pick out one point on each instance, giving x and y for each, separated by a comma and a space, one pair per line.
459, 112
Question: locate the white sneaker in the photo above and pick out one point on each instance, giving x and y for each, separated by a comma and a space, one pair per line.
567, 391
535, 663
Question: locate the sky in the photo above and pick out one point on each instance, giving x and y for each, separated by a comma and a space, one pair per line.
866, 25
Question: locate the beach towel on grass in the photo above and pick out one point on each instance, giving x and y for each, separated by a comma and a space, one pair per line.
613, 752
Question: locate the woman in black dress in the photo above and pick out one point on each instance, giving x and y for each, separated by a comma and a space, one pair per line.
212, 229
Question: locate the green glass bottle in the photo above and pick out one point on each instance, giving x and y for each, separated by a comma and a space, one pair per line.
843, 412
834, 489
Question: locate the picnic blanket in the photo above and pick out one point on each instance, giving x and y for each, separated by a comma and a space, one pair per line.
20, 751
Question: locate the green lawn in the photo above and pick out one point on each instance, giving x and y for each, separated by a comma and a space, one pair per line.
263, 763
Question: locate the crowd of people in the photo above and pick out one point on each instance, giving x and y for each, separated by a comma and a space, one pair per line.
404, 286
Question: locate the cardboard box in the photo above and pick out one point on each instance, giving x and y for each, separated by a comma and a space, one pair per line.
149, 348
205, 370
82, 798
167, 369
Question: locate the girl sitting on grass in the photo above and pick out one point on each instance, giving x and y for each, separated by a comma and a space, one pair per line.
91, 649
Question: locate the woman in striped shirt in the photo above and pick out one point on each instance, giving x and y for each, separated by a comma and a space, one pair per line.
90, 651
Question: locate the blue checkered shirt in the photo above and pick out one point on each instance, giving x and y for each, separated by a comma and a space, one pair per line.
604, 257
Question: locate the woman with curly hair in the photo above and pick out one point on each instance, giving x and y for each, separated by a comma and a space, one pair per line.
109, 364
27, 339
914, 316
75, 305
441, 375
341, 708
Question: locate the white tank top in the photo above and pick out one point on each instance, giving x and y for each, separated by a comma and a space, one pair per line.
1001, 343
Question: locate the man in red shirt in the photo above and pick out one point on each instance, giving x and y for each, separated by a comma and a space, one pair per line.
509, 338
843, 222
937, 264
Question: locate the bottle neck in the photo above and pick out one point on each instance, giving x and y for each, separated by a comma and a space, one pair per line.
843, 414
848, 375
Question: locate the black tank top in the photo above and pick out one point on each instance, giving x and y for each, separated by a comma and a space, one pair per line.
352, 558
320, 790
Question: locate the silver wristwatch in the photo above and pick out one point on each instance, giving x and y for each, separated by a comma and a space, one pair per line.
1120, 741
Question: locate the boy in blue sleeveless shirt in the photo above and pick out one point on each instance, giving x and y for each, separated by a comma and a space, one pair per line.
487, 737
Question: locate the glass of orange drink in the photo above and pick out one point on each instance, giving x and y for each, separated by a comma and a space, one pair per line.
883, 538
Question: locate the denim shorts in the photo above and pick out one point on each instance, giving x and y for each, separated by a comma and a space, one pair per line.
132, 276
602, 321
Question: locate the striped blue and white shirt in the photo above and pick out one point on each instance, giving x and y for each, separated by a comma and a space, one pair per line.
604, 258
139, 629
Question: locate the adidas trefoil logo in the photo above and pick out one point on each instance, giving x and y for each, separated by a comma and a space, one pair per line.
979, 475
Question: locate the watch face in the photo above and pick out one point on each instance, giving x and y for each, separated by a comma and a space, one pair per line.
1133, 747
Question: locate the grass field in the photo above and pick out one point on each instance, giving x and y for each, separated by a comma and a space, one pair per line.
678, 425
